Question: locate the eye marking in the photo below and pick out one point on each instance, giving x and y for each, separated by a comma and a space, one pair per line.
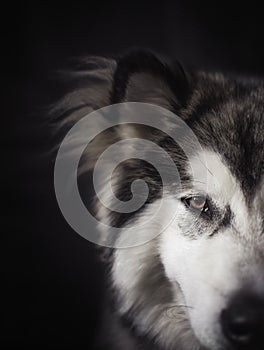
197, 203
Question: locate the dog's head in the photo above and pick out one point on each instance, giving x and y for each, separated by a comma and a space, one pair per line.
200, 282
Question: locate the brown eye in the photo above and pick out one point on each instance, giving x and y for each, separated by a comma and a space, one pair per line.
197, 203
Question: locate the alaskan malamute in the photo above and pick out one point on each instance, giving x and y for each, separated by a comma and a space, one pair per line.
198, 284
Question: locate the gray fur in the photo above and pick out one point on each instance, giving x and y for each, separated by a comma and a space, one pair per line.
225, 115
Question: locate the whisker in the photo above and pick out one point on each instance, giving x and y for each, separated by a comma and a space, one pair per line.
205, 166
214, 287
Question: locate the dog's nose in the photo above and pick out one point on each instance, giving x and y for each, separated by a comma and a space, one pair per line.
243, 322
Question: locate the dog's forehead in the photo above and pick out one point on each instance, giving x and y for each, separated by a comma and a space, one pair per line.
235, 131
211, 175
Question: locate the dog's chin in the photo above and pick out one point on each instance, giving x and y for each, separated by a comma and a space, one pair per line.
209, 335
213, 344
213, 341
209, 343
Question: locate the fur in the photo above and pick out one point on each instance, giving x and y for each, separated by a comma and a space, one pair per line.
168, 293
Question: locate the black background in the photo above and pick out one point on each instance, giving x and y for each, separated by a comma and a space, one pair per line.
64, 274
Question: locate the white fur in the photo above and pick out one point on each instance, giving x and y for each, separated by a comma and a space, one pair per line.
208, 270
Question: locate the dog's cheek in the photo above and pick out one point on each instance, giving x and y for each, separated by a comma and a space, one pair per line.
205, 270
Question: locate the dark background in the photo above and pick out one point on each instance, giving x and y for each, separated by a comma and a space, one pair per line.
62, 306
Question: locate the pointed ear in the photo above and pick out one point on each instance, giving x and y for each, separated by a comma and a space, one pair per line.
142, 77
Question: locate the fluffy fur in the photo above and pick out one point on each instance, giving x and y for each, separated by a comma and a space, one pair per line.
170, 292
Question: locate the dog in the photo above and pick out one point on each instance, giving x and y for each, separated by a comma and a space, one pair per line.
198, 284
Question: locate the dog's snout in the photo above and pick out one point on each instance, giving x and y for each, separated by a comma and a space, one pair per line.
243, 321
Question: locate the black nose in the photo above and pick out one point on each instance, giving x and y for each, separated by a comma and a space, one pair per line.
243, 322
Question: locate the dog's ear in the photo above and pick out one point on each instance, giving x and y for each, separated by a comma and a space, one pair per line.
141, 76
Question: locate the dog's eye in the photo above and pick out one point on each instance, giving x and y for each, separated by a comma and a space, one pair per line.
197, 203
